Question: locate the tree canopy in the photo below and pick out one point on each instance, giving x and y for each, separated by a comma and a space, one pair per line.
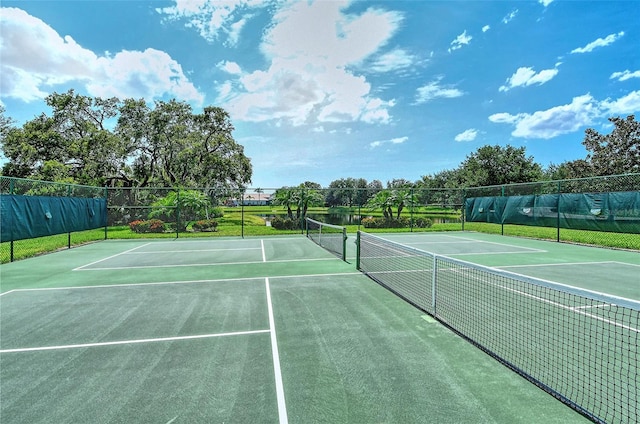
617, 152
126, 143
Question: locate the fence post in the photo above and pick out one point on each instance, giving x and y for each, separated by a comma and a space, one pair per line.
558, 212
69, 233
178, 214
501, 218
11, 188
106, 210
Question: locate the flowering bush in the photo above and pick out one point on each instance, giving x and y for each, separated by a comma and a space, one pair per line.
205, 225
150, 226
372, 222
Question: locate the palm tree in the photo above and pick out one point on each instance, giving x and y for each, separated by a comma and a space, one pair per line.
286, 197
401, 198
384, 201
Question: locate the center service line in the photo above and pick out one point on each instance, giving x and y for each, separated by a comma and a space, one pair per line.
282, 407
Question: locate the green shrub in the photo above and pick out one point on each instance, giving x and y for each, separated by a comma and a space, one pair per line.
216, 212
285, 223
422, 222
205, 225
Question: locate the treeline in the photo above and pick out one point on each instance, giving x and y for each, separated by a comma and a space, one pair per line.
607, 154
125, 143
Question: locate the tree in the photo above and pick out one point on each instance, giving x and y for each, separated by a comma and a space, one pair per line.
174, 146
617, 152
306, 195
402, 197
74, 140
6, 123
579, 168
165, 146
285, 196
191, 204
382, 200
495, 165
346, 192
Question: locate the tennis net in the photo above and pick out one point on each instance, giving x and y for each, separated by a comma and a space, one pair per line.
578, 345
331, 237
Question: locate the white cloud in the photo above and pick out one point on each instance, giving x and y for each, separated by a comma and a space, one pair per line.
623, 76
461, 40
510, 16
312, 49
467, 135
545, 3
230, 67
527, 76
600, 42
36, 59
486, 28
213, 18
397, 140
434, 90
624, 105
581, 112
393, 60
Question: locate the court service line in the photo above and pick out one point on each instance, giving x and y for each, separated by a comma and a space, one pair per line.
625, 263
124, 342
556, 264
152, 252
282, 407
501, 244
163, 283
112, 256
264, 255
491, 253
82, 268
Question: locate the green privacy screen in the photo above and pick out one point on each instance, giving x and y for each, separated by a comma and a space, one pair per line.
614, 212
26, 217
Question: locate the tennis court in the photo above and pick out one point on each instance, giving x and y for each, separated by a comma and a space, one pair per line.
262, 330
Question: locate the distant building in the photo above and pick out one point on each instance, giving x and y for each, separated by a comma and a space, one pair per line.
252, 199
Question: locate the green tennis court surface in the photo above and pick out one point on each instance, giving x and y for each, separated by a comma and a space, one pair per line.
269, 330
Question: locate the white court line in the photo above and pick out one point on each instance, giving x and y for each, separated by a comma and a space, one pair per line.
500, 244
186, 265
282, 408
163, 283
124, 342
109, 257
492, 253
555, 264
625, 263
10, 291
151, 252
264, 256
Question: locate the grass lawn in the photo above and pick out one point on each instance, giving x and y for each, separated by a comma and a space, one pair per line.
237, 222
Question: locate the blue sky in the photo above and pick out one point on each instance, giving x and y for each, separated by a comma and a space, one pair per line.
324, 90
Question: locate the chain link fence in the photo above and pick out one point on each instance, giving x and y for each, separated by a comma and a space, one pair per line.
602, 211
238, 212
14, 249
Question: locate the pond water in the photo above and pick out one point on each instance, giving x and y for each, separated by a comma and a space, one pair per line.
351, 219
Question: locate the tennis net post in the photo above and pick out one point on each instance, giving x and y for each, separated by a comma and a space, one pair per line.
331, 237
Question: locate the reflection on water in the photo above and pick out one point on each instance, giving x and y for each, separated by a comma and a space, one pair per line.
350, 219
